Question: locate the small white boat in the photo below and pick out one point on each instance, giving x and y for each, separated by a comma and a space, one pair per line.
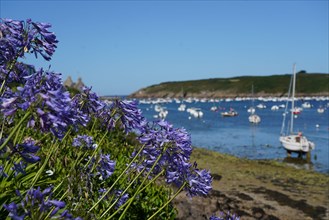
261, 106
320, 110
306, 105
182, 107
297, 143
196, 112
230, 113
291, 141
214, 108
251, 110
163, 113
255, 119
296, 110
274, 108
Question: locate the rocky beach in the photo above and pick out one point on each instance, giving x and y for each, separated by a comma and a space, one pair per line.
256, 189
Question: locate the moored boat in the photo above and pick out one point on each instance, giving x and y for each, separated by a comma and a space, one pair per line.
291, 141
230, 113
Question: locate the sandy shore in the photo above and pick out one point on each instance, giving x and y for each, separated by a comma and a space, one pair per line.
257, 190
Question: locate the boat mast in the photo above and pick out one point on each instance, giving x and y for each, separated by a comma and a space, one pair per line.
286, 110
253, 98
293, 99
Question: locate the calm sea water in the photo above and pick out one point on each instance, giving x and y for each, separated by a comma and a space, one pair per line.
238, 137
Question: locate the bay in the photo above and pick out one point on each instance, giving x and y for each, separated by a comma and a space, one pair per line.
237, 136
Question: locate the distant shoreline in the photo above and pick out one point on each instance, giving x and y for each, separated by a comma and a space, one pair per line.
245, 96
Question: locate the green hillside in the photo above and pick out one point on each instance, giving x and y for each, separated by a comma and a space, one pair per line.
276, 85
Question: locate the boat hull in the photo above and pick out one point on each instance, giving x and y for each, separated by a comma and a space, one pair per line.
254, 119
296, 143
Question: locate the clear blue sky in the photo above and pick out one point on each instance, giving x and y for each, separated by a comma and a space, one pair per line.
118, 47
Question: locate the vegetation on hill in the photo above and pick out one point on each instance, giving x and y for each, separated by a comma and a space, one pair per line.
277, 85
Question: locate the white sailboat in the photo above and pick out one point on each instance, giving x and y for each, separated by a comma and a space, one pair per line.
291, 141
253, 117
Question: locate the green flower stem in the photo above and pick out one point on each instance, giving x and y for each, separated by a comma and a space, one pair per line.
122, 193
44, 137
57, 187
21, 135
119, 177
53, 149
27, 114
145, 178
67, 134
160, 209
94, 124
83, 157
96, 149
121, 207
153, 180
2, 128
2, 85
11, 67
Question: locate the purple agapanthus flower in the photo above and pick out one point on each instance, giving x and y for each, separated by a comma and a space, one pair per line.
35, 201
44, 40
84, 141
225, 216
27, 151
7, 51
122, 198
124, 114
173, 145
88, 102
67, 216
171, 149
18, 37
44, 95
105, 166
28, 37
19, 167
13, 210
199, 182
17, 74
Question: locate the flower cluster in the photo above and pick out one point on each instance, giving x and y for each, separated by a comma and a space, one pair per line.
126, 115
18, 73
169, 149
44, 95
105, 166
27, 151
199, 182
84, 141
19, 37
88, 102
23, 153
41, 204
